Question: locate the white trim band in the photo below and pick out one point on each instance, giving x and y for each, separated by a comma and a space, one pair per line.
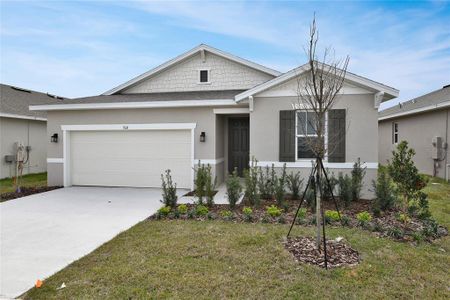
55, 160
14, 116
308, 164
230, 111
154, 126
130, 105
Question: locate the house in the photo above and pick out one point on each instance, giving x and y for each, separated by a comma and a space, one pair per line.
204, 105
20, 125
424, 123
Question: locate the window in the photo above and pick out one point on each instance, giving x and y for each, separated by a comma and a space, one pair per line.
306, 132
394, 133
204, 76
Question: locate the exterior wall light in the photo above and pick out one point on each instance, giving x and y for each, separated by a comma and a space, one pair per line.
54, 138
202, 137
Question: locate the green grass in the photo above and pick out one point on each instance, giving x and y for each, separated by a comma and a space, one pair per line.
31, 180
213, 259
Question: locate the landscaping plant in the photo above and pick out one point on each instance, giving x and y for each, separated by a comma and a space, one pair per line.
226, 214
358, 174
326, 189
164, 211
266, 182
234, 188
273, 211
294, 183
201, 210
182, 209
280, 183
345, 189
248, 214
169, 188
210, 186
385, 192
200, 182
331, 216
363, 218
251, 183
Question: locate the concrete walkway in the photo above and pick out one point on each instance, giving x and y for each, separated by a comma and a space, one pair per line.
43, 233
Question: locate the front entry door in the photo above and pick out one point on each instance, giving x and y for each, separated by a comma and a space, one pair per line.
238, 144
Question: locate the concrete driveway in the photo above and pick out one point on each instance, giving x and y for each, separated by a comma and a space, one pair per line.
43, 233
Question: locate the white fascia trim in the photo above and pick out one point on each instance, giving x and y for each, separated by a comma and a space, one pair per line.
55, 160
129, 105
187, 54
209, 161
154, 126
417, 110
14, 116
299, 70
307, 164
230, 111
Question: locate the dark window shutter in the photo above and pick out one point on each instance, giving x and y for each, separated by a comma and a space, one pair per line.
287, 135
336, 135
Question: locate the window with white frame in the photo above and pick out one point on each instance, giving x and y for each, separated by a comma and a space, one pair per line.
394, 133
306, 133
203, 76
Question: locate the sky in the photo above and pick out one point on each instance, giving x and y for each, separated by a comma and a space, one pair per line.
84, 48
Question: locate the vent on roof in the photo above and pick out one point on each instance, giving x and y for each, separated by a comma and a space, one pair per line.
20, 90
54, 96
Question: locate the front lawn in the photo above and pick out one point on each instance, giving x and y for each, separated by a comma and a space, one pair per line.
216, 259
31, 180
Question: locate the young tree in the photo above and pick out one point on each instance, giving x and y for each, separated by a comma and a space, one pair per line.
317, 92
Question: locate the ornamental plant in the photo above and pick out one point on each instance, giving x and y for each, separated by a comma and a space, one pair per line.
385, 191
280, 183
248, 214
182, 209
358, 173
294, 183
169, 188
251, 183
331, 216
345, 189
234, 188
266, 182
201, 210
164, 211
363, 218
273, 211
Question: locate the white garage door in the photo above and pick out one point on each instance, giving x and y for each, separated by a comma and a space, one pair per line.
130, 158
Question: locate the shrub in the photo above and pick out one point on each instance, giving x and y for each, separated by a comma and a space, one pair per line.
266, 182
234, 188
248, 214
251, 183
211, 216
164, 211
403, 218
273, 211
331, 216
191, 213
169, 188
228, 214
358, 174
310, 198
182, 209
302, 213
200, 182
430, 228
385, 192
395, 232
201, 210
325, 189
345, 189
404, 173
210, 186
345, 220
294, 183
363, 218
280, 183
281, 220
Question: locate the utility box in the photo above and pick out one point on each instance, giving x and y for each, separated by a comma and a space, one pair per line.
436, 150
10, 158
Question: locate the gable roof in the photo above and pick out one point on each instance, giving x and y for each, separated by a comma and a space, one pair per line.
14, 102
390, 92
435, 100
199, 48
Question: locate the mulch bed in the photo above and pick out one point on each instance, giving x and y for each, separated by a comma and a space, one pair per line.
192, 193
26, 191
338, 253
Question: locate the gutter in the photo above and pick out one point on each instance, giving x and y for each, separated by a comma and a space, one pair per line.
417, 110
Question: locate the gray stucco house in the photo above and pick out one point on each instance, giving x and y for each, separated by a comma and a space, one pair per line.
204, 105
424, 123
19, 124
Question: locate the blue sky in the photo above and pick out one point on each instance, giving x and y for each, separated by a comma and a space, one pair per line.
84, 48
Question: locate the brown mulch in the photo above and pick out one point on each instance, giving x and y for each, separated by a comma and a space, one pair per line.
26, 191
192, 193
338, 253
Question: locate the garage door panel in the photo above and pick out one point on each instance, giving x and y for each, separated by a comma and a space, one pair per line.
130, 158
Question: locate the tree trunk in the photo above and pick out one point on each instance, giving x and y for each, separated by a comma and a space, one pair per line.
318, 200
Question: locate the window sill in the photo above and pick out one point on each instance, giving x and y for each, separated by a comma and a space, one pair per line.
204, 83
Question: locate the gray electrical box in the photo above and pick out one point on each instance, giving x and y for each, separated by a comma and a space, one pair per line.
436, 150
9, 158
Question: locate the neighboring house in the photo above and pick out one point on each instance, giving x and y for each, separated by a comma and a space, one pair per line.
204, 105
424, 123
19, 124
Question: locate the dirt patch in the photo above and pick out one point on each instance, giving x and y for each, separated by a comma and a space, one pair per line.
192, 194
26, 191
339, 254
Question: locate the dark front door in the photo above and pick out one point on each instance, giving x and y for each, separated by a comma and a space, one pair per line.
238, 144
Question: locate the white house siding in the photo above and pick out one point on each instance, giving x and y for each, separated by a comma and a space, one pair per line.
224, 75
29, 132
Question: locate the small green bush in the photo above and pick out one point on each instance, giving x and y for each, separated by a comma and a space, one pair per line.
294, 183
331, 216
281, 220
211, 216
164, 211
273, 211
430, 228
251, 183
358, 174
310, 199
234, 188
201, 210
345, 189
191, 213
280, 184
363, 218
385, 192
395, 233
403, 218
226, 213
248, 214
302, 213
169, 188
200, 182
182, 209
326, 189
266, 182
345, 220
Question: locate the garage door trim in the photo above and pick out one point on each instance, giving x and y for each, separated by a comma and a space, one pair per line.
67, 129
